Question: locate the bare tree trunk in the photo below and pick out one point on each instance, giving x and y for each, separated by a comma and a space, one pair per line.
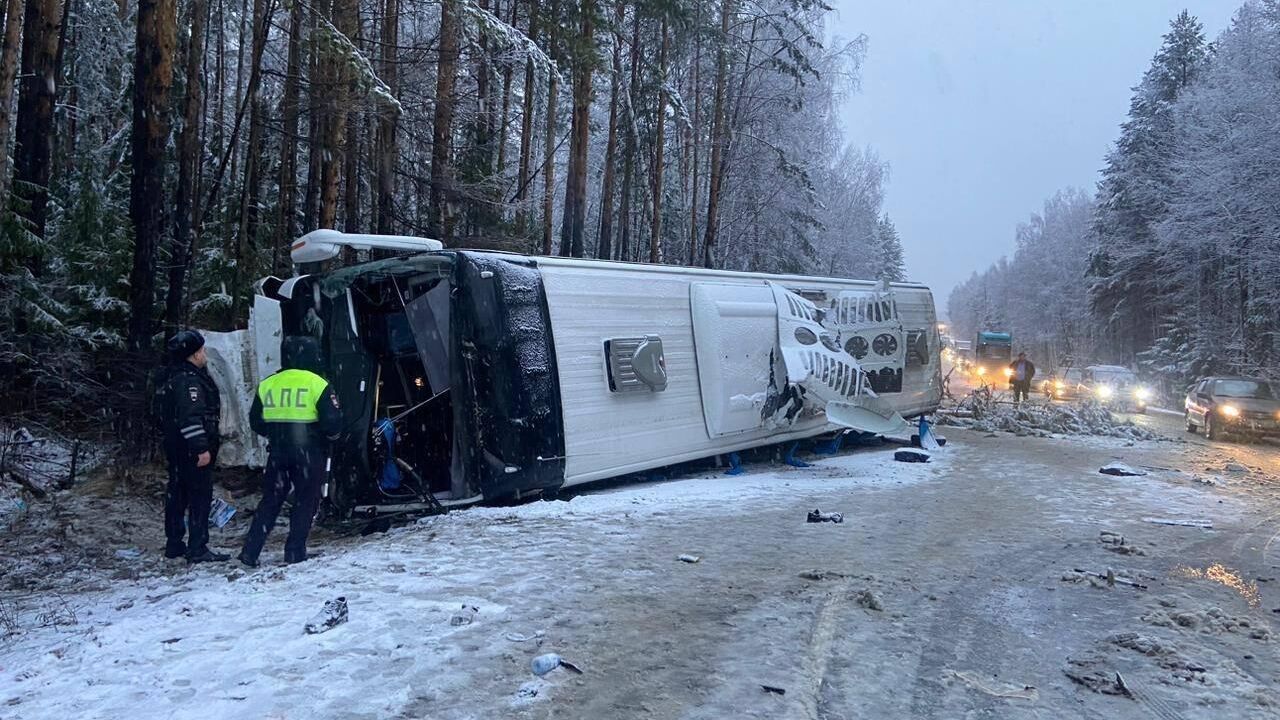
526, 131
33, 147
575, 196
351, 178
188, 169
335, 117
439, 225
388, 119
629, 151
247, 232
315, 125
717, 137
504, 118
152, 79
604, 247
65, 139
655, 229
288, 180
8, 72
696, 135
549, 151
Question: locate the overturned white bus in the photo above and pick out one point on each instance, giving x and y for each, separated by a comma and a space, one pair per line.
475, 375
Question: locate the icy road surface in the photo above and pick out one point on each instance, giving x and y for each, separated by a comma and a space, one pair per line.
949, 591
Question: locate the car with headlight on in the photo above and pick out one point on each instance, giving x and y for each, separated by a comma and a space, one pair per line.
1064, 384
1218, 406
1115, 387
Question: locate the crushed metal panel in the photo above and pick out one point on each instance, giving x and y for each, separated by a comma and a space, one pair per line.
735, 331
870, 328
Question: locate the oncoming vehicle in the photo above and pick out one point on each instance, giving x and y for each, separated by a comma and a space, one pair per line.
471, 375
1116, 387
992, 353
1064, 384
1241, 405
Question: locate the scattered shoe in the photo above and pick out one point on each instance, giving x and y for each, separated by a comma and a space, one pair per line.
817, 516
333, 614
207, 556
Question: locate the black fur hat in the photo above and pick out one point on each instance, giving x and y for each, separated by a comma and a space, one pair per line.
184, 345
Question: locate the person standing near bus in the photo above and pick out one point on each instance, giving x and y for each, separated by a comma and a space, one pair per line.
297, 411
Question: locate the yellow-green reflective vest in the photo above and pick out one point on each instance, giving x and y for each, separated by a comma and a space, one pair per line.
290, 396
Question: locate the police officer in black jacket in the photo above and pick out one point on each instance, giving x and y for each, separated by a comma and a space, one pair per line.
189, 417
297, 411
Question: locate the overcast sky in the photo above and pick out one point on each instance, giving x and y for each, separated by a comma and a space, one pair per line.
985, 108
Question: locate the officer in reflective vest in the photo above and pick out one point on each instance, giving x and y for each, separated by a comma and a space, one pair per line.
298, 412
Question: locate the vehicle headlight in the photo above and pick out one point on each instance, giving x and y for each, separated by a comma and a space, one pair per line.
1105, 392
981, 370
1142, 394
1008, 372
1229, 410
1059, 386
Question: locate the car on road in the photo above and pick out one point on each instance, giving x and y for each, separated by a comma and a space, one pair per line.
1064, 384
1115, 387
1233, 405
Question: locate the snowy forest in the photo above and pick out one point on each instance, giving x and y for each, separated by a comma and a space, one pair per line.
165, 153
1173, 264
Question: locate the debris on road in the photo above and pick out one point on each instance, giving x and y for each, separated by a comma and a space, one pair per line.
465, 616
821, 575
774, 690
545, 663
221, 512
1042, 420
687, 558
995, 688
1120, 470
1116, 543
1086, 672
869, 600
521, 637
1111, 578
817, 516
1207, 524
911, 456
333, 614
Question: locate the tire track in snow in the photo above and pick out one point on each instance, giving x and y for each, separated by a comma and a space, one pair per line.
818, 653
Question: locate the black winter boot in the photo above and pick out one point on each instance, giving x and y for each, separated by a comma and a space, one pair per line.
207, 556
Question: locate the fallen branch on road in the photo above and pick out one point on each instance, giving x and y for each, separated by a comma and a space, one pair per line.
1111, 578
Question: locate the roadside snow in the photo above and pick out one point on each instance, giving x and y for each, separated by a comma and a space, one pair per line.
217, 642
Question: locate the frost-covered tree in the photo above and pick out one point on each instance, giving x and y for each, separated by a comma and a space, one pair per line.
889, 245
1132, 198
1040, 294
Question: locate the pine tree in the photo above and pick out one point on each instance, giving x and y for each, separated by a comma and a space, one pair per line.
1134, 189
889, 245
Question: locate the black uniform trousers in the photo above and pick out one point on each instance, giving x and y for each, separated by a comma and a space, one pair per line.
188, 495
303, 470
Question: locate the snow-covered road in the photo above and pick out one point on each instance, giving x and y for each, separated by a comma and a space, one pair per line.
942, 595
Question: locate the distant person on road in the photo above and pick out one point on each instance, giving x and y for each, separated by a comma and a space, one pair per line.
1024, 371
189, 406
298, 412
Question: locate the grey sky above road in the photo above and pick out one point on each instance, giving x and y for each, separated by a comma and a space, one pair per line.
984, 108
